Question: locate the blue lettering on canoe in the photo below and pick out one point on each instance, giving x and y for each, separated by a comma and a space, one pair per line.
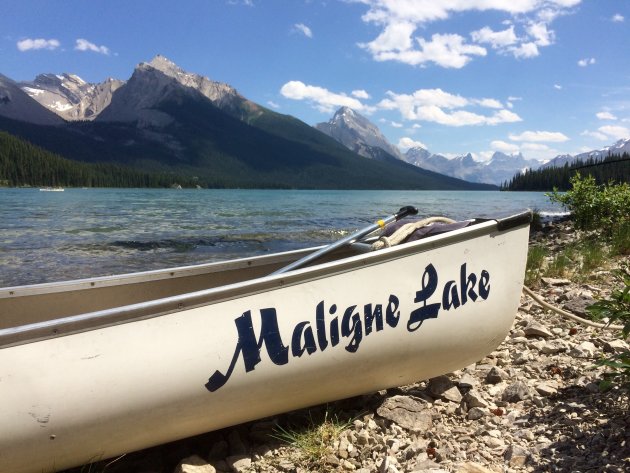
354, 326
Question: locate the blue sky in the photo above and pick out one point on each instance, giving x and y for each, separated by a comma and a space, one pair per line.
542, 77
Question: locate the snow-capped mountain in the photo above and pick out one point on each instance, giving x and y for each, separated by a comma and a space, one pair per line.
17, 105
363, 137
357, 133
69, 96
497, 170
160, 79
618, 148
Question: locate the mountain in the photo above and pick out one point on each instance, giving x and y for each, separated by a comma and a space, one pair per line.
164, 119
160, 79
17, 105
357, 133
69, 96
498, 169
620, 147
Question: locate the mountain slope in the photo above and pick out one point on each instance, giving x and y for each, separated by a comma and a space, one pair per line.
156, 81
17, 105
277, 148
357, 133
69, 96
618, 148
500, 168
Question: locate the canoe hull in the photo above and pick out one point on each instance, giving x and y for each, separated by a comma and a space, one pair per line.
292, 342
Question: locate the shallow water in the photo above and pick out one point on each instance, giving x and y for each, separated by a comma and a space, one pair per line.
53, 236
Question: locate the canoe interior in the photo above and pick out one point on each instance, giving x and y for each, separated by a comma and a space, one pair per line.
43, 302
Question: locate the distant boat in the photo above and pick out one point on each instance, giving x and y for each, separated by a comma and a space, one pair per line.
51, 189
94, 368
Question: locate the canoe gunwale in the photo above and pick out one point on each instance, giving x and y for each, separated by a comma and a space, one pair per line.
65, 326
153, 275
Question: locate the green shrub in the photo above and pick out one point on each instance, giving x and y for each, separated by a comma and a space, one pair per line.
593, 256
561, 265
616, 309
620, 239
595, 207
536, 223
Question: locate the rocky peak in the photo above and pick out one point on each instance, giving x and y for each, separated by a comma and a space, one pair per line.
417, 154
69, 96
165, 65
159, 79
357, 133
18, 105
344, 114
218, 92
467, 159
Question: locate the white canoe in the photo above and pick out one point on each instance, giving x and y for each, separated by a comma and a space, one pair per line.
94, 368
52, 189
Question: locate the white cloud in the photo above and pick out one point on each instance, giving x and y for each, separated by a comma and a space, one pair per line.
605, 116
489, 103
302, 28
272, 104
525, 50
399, 20
557, 86
323, 99
39, 43
504, 147
534, 147
617, 18
540, 34
446, 50
536, 136
360, 94
406, 143
84, 45
396, 124
482, 156
586, 62
615, 131
496, 39
595, 134
438, 106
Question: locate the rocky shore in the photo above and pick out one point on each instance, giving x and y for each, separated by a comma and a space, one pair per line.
532, 405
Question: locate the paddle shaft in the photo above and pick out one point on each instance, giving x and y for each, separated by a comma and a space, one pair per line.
403, 212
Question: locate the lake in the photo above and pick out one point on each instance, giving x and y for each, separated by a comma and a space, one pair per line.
53, 236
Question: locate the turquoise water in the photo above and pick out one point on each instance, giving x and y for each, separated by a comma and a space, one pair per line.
53, 236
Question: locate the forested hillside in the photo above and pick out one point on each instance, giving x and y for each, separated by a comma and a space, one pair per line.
23, 164
612, 168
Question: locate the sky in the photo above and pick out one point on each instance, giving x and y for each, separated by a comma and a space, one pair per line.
540, 77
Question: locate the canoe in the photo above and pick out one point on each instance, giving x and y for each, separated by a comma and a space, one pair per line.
94, 368
51, 189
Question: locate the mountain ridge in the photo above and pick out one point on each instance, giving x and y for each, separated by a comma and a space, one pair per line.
166, 119
360, 135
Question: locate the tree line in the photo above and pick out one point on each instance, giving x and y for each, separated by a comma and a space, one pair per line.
612, 168
24, 164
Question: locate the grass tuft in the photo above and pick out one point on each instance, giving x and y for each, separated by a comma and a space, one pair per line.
535, 261
315, 440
